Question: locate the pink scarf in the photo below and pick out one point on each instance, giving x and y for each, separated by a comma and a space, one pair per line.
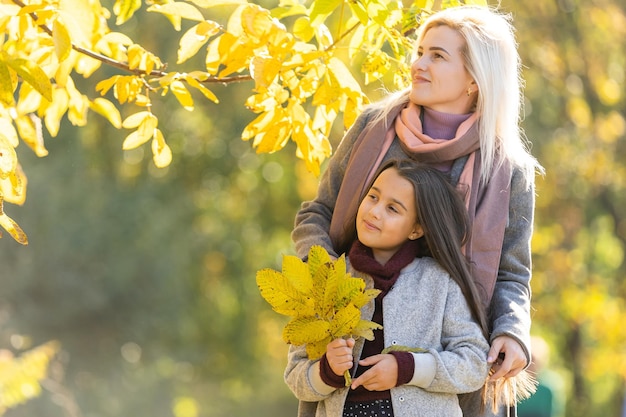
487, 205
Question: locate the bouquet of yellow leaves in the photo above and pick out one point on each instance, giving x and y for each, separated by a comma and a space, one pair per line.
323, 301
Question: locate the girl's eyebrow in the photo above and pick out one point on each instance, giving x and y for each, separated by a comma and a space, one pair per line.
398, 202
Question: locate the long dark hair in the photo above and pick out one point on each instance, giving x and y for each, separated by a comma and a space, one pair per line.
444, 219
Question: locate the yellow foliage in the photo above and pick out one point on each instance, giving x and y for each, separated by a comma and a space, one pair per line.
302, 71
321, 298
20, 377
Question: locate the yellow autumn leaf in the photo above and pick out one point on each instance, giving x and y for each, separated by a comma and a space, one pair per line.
32, 74
205, 91
125, 9
302, 29
55, 111
14, 186
256, 22
145, 131
29, 129
303, 330
8, 157
62, 40
108, 110
274, 138
264, 70
135, 55
134, 120
315, 350
105, 85
261, 123
365, 329
161, 152
195, 38
182, 94
6, 86
297, 272
283, 295
11, 226
345, 320
8, 131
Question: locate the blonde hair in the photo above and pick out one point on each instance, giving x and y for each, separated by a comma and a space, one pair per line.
491, 58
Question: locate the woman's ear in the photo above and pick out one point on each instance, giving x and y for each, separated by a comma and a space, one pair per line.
416, 233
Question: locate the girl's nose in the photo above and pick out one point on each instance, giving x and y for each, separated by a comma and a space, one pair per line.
419, 63
375, 211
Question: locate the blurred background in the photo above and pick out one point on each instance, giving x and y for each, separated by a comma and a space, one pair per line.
146, 277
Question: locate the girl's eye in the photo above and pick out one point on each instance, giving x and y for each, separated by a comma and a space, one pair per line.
393, 209
437, 56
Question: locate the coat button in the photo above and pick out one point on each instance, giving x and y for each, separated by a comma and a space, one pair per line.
401, 398
394, 342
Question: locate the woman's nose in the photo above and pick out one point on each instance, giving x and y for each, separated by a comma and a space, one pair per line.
418, 64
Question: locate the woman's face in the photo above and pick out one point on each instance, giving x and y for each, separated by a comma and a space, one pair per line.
440, 80
387, 216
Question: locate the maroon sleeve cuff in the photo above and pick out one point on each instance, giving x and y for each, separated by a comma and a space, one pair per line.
406, 367
328, 376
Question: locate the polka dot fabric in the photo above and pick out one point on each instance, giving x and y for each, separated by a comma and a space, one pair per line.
376, 408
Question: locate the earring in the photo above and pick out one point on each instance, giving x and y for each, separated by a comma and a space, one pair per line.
469, 91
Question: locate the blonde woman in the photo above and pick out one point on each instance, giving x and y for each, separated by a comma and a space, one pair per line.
461, 115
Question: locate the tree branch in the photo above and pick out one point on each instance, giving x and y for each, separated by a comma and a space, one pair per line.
124, 66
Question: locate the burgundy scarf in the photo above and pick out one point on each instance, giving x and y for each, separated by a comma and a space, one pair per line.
384, 276
487, 205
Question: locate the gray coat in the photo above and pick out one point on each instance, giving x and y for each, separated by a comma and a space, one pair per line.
509, 311
425, 309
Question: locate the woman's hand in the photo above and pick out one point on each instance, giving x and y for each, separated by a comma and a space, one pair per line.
339, 355
383, 374
514, 358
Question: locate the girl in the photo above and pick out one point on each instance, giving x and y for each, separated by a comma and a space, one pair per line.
428, 304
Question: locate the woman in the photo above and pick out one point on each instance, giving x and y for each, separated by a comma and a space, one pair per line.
461, 115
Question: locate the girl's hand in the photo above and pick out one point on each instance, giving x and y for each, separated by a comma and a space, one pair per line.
514, 358
383, 374
339, 355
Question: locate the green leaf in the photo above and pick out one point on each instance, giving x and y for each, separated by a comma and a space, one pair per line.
399, 348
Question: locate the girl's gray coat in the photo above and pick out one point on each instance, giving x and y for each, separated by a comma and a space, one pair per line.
424, 309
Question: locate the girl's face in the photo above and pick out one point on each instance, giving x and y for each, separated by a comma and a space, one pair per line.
440, 80
387, 216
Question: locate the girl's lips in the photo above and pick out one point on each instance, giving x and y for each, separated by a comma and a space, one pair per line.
369, 225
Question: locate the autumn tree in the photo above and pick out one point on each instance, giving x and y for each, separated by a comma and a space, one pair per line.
297, 56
